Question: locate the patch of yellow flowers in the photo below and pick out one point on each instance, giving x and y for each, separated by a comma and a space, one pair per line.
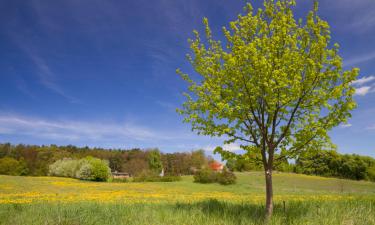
70, 191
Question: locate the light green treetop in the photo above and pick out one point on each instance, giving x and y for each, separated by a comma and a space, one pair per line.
275, 85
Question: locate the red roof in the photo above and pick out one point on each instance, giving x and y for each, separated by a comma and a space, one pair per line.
216, 166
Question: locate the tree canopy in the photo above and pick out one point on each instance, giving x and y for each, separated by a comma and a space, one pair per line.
274, 84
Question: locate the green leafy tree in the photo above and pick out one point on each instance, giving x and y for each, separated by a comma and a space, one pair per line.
154, 160
198, 159
275, 85
10, 166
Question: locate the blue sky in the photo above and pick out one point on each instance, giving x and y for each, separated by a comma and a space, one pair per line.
102, 72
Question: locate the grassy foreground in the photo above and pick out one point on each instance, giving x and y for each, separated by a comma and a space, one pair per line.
308, 200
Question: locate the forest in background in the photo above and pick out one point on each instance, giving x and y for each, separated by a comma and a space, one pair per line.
34, 160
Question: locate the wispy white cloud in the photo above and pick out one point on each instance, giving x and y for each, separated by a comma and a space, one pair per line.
233, 147
48, 78
347, 125
360, 59
372, 127
362, 91
70, 130
43, 72
169, 106
363, 80
357, 16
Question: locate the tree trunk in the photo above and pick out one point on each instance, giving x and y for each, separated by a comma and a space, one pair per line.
269, 194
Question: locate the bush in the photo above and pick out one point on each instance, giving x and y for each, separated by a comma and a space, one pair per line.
226, 177
205, 176
88, 168
85, 170
100, 170
151, 176
170, 178
64, 168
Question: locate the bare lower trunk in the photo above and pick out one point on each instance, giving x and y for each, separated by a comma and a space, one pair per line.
269, 193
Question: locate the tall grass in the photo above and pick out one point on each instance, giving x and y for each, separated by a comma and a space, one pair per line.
206, 212
308, 200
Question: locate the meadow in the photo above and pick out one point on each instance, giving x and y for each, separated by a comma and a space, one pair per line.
299, 199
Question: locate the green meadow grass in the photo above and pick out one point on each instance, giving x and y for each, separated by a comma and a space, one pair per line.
352, 202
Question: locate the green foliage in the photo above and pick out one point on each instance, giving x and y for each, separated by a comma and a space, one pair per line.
274, 84
226, 177
331, 163
198, 159
151, 176
64, 168
371, 173
100, 170
10, 166
241, 164
37, 159
206, 176
88, 168
170, 178
154, 160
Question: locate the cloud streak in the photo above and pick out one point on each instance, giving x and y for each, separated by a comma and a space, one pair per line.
70, 130
233, 147
48, 78
360, 59
346, 125
363, 80
364, 90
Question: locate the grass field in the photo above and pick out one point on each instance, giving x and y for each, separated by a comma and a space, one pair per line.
308, 200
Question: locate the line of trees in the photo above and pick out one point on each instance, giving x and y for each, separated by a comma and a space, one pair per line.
35, 160
317, 162
333, 164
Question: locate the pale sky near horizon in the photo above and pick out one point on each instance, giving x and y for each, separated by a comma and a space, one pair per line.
102, 73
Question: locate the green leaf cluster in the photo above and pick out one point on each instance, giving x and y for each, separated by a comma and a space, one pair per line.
275, 84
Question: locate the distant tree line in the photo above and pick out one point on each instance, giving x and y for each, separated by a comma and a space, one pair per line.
318, 162
35, 160
333, 164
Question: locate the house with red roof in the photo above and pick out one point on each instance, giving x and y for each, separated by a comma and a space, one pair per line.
216, 166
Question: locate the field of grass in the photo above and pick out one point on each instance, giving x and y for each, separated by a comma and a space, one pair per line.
308, 200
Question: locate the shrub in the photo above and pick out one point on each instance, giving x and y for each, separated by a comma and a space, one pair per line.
170, 178
88, 168
205, 176
100, 170
85, 170
64, 168
226, 177
151, 176
146, 176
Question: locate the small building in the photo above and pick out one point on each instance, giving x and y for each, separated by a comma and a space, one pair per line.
120, 175
216, 166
